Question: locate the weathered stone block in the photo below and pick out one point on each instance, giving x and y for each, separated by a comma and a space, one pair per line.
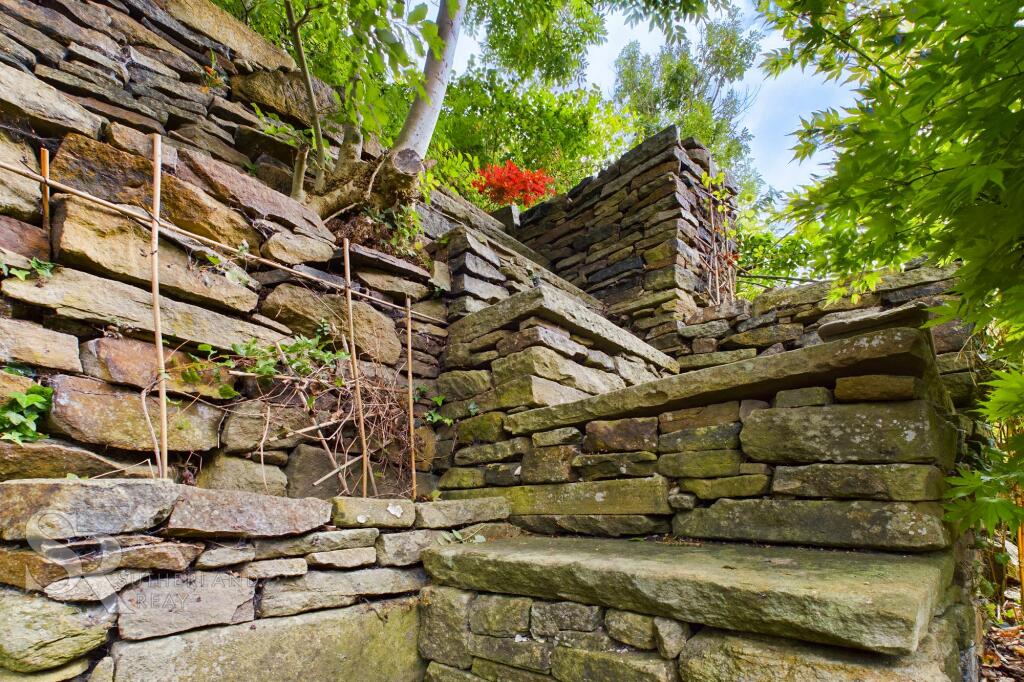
634, 629
463, 384
878, 387
614, 465
404, 549
902, 482
444, 625
886, 350
32, 344
864, 433
731, 486
601, 525
494, 452
79, 296
323, 541
893, 526
498, 672
517, 653
549, 465
375, 332
455, 513
700, 464
626, 496
68, 508
563, 436
437, 672
621, 434
48, 110
219, 556
229, 513
697, 417
458, 478
548, 618
53, 458
803, 397
556, 340
97, 239
499, 615
41, 634
579, 665
223, 472
343, 558
356, 512
20, 198
548, 364
819, 597
720, 437
370, 642
167, 605
331, 589
483, 428
131, 362
670, 637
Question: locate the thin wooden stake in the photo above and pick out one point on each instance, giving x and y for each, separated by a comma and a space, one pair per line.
355, 368
158, 336
44, 170
412, 400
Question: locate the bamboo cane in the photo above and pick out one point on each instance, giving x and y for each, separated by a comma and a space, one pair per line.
44, 170
355, 367
158, 337
412, 401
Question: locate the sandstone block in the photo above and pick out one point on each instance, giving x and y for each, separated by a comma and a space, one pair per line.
41, 634
494, 452
455, 513
131, 362
356, 512
483, 428
803, 397
499, 615
697, 417
463, 384
459, 478
52, 458
68, 508
877, 388
32, 344
563, 436
322, 541
577, 665
223, 472
92, 411
219, 556
514, 652
720, 437
545, 363
229, 513
909, 432
749, 485
404, 549
273, 568
331, 589
891, 526
444, 625
549, 465
548, 618
901, 482
48, 110
343, 558
167, 605
626, 496
621, 435
614, 465
20, 198
600, 525
369, 642
392, 285
700, 464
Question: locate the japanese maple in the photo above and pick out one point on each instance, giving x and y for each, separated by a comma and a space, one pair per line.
510, 184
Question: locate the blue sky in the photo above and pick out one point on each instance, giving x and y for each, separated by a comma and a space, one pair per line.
776, 111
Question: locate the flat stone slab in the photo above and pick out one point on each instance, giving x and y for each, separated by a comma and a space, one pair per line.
454, 513
69, 508
237, 514
551, 304
624, 496
901, 351
369, 642
331, 589
805, 594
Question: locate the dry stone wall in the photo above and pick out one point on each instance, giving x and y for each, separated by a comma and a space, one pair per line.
645, 237
119, 579
89, 82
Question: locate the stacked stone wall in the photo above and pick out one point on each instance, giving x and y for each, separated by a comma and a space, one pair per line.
644, 237
89, 83
119, 580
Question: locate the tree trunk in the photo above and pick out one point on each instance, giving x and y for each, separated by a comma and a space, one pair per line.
422, 119
299, 174
314, 113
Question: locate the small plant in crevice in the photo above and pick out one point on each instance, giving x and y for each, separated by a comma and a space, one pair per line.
435, 417
40, 268
19, 417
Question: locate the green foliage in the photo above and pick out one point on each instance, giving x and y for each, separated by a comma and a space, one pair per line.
40, 268
19, 417
927, 162
693, 84
977, 494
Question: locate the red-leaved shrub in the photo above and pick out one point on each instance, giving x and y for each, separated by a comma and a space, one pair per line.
510, 184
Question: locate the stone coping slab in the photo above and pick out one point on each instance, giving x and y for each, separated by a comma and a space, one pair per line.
554, 305
901, 351
876, 602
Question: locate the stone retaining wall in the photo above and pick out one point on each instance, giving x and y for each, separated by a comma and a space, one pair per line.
147, 580
640, 236
840, 444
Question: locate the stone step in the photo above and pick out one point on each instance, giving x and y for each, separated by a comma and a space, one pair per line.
876, 602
